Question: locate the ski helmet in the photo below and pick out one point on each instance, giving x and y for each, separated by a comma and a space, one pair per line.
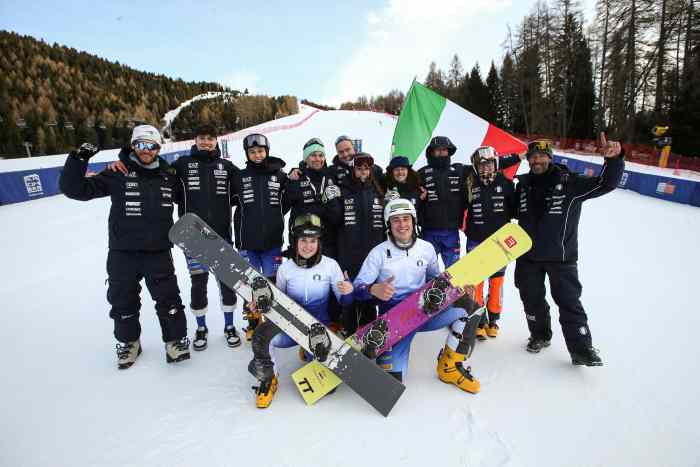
256, 140
440, 142
484, 154
397, 207
307, 225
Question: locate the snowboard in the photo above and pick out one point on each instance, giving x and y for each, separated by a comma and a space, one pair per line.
362, 375
314, 381
493, 254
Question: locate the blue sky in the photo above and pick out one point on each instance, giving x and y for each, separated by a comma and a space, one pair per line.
307, 48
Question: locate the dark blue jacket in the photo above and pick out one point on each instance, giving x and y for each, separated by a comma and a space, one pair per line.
548, 207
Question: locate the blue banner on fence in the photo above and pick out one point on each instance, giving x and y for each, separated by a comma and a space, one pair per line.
25, 185
671, 189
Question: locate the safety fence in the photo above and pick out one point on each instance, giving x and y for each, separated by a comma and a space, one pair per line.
638, 153
678, 190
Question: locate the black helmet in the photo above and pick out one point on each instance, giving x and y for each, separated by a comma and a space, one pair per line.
441, 142
256, 140
307, 225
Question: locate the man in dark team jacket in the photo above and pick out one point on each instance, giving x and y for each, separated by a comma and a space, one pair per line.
258, 191
344, 160
139, 219
208, 180
446, 201
548, 207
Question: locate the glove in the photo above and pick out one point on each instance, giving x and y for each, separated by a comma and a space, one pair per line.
85, 152
391, 195
330, 193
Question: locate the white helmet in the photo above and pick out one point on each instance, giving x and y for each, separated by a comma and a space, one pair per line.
399, 206
484, 153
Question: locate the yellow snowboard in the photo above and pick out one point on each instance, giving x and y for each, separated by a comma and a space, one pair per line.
314, 381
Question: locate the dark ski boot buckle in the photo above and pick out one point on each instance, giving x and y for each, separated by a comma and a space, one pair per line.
319, 341
262, 294
375, 338
434, 296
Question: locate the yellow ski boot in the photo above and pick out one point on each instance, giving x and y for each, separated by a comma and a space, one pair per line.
265, 392
253, 317
450, 370
492, 330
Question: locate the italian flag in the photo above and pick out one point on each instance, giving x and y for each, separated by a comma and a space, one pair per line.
426, 113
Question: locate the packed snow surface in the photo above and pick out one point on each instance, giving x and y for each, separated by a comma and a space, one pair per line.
64, 403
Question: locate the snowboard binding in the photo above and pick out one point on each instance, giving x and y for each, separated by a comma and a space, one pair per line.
375, 338
262, 294
319, 341
434, 296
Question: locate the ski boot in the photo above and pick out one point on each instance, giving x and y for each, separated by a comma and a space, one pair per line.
127, 353
450, 370
535, 344
492, 328
264, 393
253, 316
232, 339
200, 338
177, 351
587, 356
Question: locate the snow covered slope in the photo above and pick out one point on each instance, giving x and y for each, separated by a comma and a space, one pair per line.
63, 403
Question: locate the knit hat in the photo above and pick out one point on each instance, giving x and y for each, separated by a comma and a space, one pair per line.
146, 133
313, 145
398, 161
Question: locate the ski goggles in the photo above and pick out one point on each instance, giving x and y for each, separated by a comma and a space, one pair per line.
486, 153
255, 140
540, 145
146, 146
307, 220
313, 141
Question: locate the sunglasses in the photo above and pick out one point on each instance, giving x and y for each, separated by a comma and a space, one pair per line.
540, 145
146, 146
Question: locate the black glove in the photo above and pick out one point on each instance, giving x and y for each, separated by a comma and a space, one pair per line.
85, 152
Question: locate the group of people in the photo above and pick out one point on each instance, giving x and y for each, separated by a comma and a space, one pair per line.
360, 240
